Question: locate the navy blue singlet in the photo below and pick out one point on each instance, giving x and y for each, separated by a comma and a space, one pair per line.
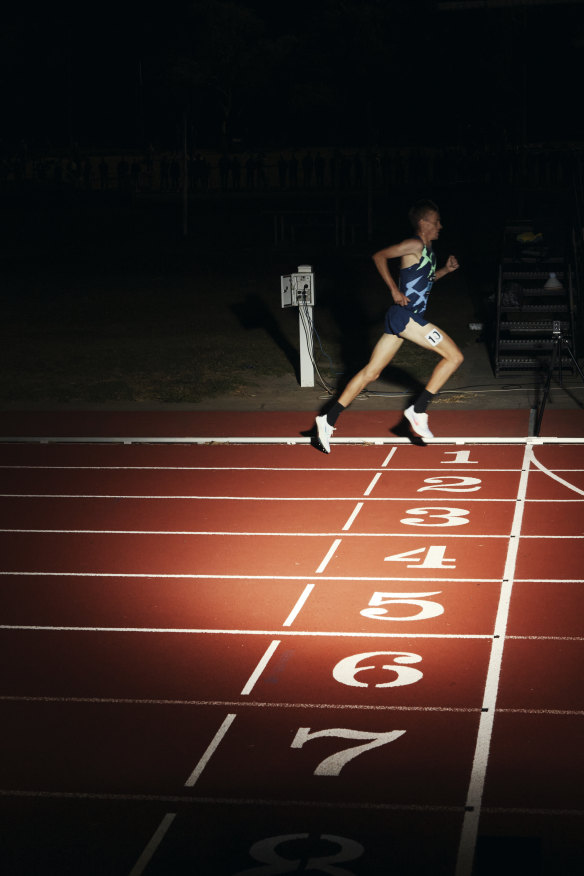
415, 282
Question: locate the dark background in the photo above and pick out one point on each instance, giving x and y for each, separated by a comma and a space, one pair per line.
105, 281
311, 72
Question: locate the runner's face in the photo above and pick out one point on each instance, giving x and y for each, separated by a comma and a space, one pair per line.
431, 225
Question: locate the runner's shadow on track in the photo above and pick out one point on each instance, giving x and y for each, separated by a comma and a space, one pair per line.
402, 429
311, 433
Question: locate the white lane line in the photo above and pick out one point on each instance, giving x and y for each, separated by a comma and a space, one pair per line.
546, 638
190, 498
153, 845
389, 456
199, 533
466, 851
372, 484
211, 749
225, 468
210, 576
354, 513
187, 631
251, 704
528, 440
549, 580
259, 668
228, 468
329, 555
555, 502
252, 803
299, 605
241, 704
556, 477
518, 810
237, 532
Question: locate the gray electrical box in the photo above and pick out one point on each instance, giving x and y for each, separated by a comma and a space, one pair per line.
298, 288
298, 291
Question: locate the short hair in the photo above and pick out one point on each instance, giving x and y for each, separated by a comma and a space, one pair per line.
420, 210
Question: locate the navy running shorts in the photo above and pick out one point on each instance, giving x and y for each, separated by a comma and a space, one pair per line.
397, 318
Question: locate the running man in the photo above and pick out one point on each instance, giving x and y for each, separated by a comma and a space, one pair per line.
405, 320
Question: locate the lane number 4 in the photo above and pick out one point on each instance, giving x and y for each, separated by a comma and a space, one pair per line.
432, 557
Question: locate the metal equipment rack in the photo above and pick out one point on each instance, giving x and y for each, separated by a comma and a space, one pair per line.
526, 311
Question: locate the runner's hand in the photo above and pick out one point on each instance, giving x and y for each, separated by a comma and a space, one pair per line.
400, 299
452, 264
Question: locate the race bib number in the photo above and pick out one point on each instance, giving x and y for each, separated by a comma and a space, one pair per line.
434, 337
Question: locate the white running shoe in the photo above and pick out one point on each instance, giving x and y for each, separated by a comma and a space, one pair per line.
418, 422
324, 431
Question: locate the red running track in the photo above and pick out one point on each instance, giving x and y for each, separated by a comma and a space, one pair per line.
233, 659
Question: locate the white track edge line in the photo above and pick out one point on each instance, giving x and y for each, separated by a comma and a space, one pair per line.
468, 838
233, 632
38, 439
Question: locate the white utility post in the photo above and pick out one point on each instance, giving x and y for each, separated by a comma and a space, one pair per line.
297, 290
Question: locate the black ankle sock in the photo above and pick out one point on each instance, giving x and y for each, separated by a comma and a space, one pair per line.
334, 412
422, 402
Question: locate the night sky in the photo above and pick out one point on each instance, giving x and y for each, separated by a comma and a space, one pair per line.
324, 72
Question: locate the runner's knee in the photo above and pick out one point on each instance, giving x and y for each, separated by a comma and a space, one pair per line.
370, 374
456, 358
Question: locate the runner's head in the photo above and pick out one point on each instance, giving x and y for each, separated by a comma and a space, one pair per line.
425, 219
420, 210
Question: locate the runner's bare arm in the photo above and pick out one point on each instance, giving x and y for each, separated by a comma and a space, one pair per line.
450, 266
409, 251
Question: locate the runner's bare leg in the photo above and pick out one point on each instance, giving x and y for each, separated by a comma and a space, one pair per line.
433, 338
383, 352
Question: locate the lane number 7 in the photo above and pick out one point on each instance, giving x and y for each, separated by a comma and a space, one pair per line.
332, 765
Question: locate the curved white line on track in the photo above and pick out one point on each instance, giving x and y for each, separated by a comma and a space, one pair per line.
556, 477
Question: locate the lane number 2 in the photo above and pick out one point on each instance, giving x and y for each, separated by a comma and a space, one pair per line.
451, 484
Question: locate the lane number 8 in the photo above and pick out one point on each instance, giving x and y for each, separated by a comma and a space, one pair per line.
274, 864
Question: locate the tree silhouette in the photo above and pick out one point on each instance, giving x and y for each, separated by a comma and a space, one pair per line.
224, 64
